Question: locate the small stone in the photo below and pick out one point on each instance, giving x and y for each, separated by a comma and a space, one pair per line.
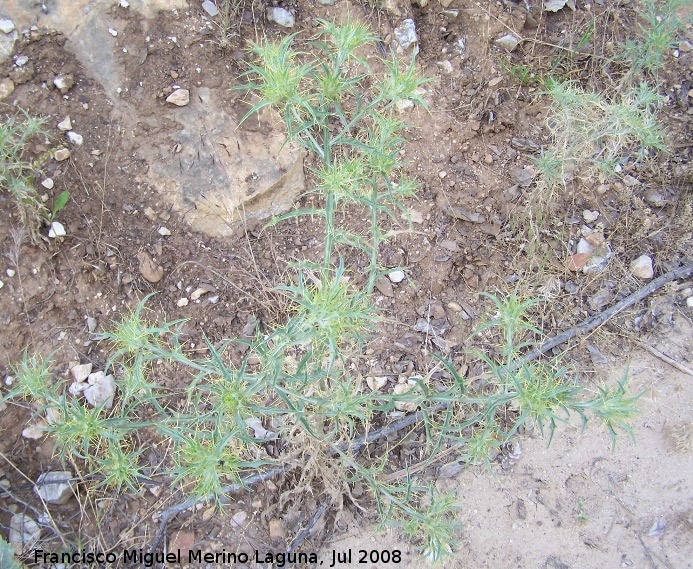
54, 487
508, 42
101, 390
81, 372
281, 16
577, 262
91, 324
6, 87
396, 276
24, 533
21, 60
384, 286
405, 34
571, 287
65, 124
642, 267
6, 26
403, 105
454, 307
442, 174
74, 138
183, 541
446, 66
584, 246
630, 181
148, 269
685, 46
239, 519
10, 272
62, 154
277, 532
164, 231
376, 383
602, 189
522, 176
327, 2
598, 260
655, 198
57, 230
113, 32
689, 302
590, 216
35, 432
198, 293
124, 4
180, 97
64, 82
48, 183
524, 145
401, 389
210, 7
182, 302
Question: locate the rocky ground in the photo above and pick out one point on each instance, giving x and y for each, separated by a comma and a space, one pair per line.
168, 194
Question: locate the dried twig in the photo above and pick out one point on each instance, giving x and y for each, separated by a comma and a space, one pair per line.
672, 362
591, 323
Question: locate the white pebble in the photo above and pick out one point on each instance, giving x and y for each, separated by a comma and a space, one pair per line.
124, 4
689, 302
75, 138
10, 272
165, 231
113, 32
57, 230
396, 276
182, 302
48, 183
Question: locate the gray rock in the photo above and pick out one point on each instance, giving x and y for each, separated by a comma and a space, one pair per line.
508, 42
405, 34
180, 97
524, 144
600, 299
642, 267
21, 60
7, 42
24, 533
281, 16
522, 176
54, 487
210, 8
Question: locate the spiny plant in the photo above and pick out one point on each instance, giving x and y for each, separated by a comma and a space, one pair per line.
298, 382
593, 136
17, 173
334, 106
656, 35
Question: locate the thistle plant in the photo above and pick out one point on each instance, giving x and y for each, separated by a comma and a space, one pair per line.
594, 135
335, 107
297, 382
